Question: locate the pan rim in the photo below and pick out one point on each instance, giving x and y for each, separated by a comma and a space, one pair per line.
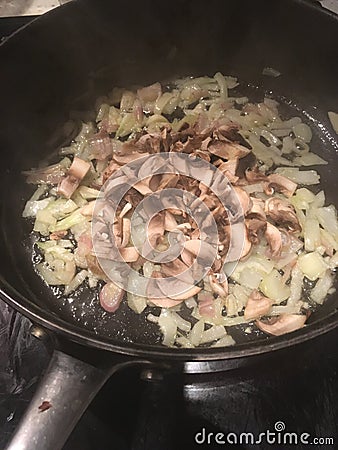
155, 352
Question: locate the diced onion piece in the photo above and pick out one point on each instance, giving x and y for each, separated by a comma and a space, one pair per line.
334, 120
136, 302
296, 285
32, 207
302, 131
305, 177
261, 265
111, 296
76, 281
213, 333
312, 237
320, 291
225, 341
181, 323
250, 278
309, 159
195, 335
44, 222
327, 217
271, 72
312, 265
273, 287
168, 327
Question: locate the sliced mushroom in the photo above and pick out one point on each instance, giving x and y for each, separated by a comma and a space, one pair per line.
285, 323
111, 296
254, 175
257, 306
274, 239
129, 254
126, 231
170, 223
127, 158
229, 166
110, 170
75, 175
257, 209
155, 229
227, 149
244, 199
255, 229
206, 306
283, 213
170, 288
219, 287
280, 184
173, 268
143, 187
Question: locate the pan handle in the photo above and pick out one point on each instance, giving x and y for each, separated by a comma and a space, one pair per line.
64, 393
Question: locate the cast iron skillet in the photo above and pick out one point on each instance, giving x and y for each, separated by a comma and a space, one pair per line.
51, 74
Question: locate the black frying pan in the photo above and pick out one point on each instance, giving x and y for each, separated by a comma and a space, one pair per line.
51, 74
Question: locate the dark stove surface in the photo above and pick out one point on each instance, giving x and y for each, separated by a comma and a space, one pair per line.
295, 390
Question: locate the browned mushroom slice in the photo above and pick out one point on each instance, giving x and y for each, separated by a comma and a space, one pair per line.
75, 174
285, 323
257, 306
173, 268
274, 239
254, 175
218, 287
110, 170
257, 209
170, 223
129, 254
280, 184
244, 199
229, 166
255, 229
143, 186
128, 157
246, 248
126, 232
155, 229
228, 150
283, 213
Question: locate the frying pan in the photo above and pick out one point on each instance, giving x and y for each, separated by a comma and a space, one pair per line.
52, 72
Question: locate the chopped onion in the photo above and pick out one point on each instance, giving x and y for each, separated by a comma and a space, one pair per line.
312, 265
334, 120
323, 285
273, 287
306, 177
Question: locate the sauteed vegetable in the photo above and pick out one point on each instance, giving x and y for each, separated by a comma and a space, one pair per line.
286, 259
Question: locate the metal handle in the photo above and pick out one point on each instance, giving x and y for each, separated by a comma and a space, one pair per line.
64, 393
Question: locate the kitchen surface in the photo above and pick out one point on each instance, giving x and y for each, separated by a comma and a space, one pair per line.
296, 392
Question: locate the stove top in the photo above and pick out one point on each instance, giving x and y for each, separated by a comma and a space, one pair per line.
290, 401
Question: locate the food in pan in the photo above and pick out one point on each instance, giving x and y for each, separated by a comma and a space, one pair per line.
286, 259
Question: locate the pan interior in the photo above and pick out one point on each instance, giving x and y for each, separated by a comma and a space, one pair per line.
59, 66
